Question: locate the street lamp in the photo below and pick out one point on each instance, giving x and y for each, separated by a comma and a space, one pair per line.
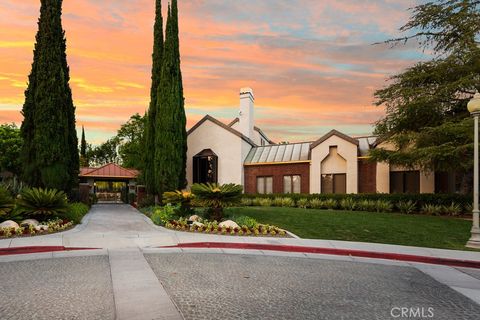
474, 108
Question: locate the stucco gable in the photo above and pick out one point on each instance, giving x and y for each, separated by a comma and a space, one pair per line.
223, 126
334, 133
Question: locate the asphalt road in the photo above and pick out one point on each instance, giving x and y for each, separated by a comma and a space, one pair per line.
214, 286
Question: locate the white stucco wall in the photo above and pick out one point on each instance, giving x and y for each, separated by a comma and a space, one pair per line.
257, 137
347, 151
383, 177
230, 149
427, 178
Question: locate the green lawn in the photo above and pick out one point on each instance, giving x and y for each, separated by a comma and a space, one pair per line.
391, 228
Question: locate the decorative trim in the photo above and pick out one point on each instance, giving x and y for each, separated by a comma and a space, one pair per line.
273, 163
334, 133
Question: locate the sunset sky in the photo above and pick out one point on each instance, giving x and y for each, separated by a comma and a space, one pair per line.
311, 63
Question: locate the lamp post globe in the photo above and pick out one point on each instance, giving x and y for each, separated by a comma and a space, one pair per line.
474, 109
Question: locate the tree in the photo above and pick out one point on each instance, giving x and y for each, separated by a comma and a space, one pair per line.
426, 117
131, 137
83, 150
171, 135
105, 153
10, 146
149, 139
50, 150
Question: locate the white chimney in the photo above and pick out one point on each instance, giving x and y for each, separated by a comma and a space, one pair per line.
245, 116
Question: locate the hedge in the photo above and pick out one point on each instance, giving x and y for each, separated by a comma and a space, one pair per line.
420, 199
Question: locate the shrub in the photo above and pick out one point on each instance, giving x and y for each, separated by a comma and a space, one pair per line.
147, 201
348, 204
367, 205
277, 202
453, 209
432, 209
6, 203
468, 208
162, 215
266, 202
316, 204
14, 186
183, 199
42, 203
217, 197
330, 204
256, 201
407, 207
246, 221
287, 202
76, 211
303, 203
246, 202
383, 206
132, 197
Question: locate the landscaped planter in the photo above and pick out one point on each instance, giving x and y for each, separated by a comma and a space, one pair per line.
48, 227
214, 228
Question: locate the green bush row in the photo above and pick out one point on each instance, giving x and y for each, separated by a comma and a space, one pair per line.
420, 200
352, 204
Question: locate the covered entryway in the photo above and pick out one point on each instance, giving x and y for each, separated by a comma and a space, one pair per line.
110, 183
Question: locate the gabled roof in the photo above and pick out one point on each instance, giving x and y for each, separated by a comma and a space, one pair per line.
334, 133
255, 128
222, 125
279, 153
110, 170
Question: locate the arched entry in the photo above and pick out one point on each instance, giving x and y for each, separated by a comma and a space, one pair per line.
205, 167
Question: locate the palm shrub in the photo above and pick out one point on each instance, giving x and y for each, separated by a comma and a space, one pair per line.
265, 202
432, 209
407, 207
348, 204
367, 205
217, 197
181, 198
383, 206
13, 186
303, 203
6, 203
454, 209
42, 203
316, 203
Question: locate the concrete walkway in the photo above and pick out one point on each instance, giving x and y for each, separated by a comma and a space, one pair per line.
124, 234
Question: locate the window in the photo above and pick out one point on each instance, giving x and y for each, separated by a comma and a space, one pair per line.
405, 182
264, 185
292, 184
334, 183
205, 167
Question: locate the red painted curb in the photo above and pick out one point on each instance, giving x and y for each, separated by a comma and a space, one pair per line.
37, 249
339, 252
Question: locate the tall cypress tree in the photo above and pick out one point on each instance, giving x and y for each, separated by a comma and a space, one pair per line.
83, 150
171, 135
50, 153
157, 59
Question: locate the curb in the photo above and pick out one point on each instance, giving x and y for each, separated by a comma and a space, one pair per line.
331, 251
38, 249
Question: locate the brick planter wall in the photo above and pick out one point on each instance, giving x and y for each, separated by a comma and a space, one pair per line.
277, 171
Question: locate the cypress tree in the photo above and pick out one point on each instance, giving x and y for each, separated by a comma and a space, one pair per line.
157, 59
50, 152
171, 136
83, 150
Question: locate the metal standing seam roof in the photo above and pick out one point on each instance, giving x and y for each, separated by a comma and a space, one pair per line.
110, 170
279, 153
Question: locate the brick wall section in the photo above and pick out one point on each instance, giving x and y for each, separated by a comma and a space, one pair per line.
367, 175
277, 171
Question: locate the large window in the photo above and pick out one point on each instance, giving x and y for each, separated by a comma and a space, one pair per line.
205, 166
405, 182
292, 184
334, 183
264, 185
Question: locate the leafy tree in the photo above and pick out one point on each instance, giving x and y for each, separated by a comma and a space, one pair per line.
104, 153
171, 135
50, 150
83, 150
131, 136
426, 120
10, 146
157, 59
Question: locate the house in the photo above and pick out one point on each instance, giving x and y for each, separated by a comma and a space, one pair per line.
241, 153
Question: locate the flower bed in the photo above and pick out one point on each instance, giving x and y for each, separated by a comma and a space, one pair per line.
215, 228
48, 227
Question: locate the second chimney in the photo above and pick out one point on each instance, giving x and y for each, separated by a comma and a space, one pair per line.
246, 114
